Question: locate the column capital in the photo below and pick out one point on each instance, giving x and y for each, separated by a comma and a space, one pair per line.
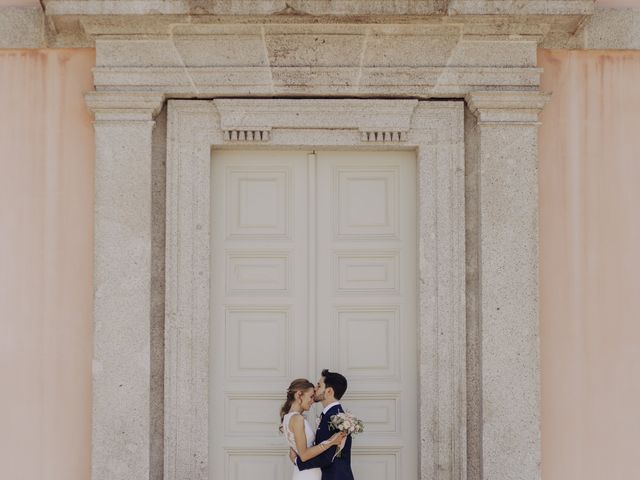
124, 106
521, 107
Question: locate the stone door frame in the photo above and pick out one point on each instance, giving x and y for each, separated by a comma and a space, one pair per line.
435, 131
479, 390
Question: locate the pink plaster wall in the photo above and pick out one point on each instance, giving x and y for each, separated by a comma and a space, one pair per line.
590, 265
46, 258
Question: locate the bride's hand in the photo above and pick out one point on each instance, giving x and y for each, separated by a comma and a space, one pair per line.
337, 438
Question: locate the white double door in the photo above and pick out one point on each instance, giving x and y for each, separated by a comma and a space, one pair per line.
313, 267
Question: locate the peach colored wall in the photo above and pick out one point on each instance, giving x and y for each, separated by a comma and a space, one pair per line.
46, 261
590, 265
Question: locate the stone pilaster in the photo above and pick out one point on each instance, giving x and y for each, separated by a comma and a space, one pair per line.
503, 144
122, 354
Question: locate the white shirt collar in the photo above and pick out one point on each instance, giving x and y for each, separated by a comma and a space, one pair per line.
330, 406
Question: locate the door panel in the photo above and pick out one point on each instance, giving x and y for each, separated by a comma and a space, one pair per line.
366, 297
258, 328
313, 266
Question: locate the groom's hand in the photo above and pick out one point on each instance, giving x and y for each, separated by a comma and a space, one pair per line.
292, 455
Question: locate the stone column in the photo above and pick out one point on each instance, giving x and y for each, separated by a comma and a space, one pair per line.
121, 360
502, 153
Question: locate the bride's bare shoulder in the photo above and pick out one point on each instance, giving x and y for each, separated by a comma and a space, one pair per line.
296, 419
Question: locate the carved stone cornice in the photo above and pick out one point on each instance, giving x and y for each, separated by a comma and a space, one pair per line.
70, 20
116, 106
205, 60
506, 107
314, 9
370, 115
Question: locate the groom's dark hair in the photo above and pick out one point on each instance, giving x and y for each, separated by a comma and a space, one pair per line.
335, 381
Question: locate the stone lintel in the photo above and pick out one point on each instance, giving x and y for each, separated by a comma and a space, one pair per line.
117, 107
320, 60
369, 116
507, 107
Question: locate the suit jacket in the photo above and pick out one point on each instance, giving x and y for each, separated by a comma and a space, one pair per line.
340, 467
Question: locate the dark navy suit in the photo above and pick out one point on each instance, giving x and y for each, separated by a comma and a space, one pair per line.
340, 468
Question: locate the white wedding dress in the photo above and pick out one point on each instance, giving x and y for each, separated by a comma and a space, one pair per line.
312, 473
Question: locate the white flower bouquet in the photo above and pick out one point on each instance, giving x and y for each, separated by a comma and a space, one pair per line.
348, 423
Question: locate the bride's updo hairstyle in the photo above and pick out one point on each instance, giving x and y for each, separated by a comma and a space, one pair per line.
298, 385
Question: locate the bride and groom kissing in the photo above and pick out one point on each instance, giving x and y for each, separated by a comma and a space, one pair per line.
318, 455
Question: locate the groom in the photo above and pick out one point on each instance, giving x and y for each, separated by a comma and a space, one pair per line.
329, 391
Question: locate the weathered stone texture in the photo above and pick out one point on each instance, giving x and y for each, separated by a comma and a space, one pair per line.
21, 27
317, 60
507, 279
613, 29
122, 355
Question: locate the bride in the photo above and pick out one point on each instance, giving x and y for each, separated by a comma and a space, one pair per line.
300, 436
